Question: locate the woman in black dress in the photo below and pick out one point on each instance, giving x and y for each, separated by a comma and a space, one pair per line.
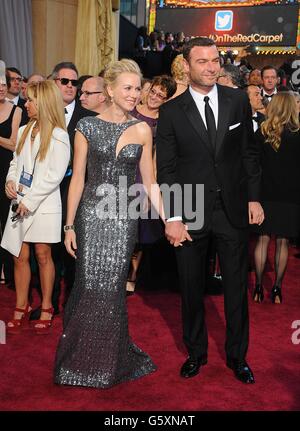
279, 139
151, 231
10, 118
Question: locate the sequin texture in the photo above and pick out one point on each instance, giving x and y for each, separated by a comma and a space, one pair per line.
95, 348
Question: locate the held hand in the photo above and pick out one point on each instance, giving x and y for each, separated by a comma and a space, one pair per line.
70, 242
256, 213
176, 233
10, 190
22, 210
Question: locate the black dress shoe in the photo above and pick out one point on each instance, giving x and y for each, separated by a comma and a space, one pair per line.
241, 370
191, 367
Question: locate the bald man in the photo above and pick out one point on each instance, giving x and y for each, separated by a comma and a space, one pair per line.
92, 95
36, 77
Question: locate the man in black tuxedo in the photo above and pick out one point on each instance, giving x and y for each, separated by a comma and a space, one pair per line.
65, 75
14, 83
205, 136
256, 102
270, 80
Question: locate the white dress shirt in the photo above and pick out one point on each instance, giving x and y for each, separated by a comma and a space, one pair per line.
70, 109
269, 96
213, 102
15, 100
255, 123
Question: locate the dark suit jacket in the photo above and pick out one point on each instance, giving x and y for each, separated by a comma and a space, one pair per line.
261, 117
24, 118
78, 113
185, 156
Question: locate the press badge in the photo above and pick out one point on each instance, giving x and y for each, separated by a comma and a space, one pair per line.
25, 183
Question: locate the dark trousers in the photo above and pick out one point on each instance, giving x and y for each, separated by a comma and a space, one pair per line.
6, 259
232, 248
64, 264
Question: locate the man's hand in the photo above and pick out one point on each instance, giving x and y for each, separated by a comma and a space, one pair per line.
256, 213
10, 190
176, 232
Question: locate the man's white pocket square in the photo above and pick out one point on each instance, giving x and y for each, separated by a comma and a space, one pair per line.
234, 126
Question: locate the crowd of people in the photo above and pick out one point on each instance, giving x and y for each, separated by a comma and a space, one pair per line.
204, 121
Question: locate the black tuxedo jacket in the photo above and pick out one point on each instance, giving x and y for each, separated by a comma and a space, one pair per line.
78, 113
24, 118
185, 155
260, 117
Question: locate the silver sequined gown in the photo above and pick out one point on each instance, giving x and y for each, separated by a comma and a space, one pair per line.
95, 348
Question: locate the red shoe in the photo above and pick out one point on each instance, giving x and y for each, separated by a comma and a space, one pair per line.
15, 326
44, 325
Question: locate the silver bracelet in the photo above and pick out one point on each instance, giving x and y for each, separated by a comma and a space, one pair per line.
69, 227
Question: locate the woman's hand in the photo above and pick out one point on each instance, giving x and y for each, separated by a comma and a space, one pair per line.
22, 210
70, 242
10, 190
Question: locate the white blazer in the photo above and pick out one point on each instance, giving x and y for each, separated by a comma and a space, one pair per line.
44, 194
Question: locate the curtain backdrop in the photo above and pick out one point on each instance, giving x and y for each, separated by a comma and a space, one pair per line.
95, 36
16, 35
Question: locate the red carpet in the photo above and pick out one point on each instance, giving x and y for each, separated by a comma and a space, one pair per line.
155, 325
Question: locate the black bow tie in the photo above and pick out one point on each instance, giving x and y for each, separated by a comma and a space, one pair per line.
255, 119
66, 111
269, 96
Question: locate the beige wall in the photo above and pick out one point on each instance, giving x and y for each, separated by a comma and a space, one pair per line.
54, 27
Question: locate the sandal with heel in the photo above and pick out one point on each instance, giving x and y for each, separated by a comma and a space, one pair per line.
258, 294
276, 295
42, 327
15, 326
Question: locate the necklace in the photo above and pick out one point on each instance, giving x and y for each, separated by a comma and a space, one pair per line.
34, 132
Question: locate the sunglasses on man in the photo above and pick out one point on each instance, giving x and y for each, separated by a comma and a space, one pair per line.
65, 81
88, 93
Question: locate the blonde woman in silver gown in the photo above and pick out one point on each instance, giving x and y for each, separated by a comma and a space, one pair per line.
95, 348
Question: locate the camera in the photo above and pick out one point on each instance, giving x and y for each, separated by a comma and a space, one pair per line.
14, 207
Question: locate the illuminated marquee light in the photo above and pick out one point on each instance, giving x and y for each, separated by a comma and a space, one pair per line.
262, 50
216, 3
298, 32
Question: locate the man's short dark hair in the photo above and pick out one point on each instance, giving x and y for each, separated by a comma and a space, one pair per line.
63, 65
234, 73
196, 41
14, 69
269, 67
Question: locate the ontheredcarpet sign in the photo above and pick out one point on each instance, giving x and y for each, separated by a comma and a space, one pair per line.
256, 38
257, 25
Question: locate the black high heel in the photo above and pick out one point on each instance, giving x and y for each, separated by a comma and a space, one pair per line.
276, 295
258, 294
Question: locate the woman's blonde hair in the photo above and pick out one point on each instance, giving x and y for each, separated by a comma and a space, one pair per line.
50, 114
177, 69
281, 113
114, 70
